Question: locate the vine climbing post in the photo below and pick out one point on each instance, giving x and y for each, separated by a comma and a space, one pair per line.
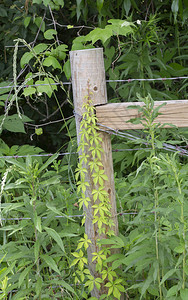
88, 78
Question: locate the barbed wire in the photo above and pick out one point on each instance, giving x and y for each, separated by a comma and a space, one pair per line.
57, 217
49, 123
165, 146
148, 79
108, 80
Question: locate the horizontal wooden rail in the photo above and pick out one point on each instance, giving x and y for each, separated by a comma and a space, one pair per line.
116, 115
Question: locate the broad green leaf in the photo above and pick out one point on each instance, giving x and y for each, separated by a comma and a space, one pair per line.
29, 91
14, 124
51, 61
40, 48
59, 2
49, 34
99, 34
180, 248
172, 291
184, 294
46, 86
27, 21
25, 59
40, 23
54, 235
50, 262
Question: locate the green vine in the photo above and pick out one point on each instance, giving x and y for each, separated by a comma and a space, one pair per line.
90, 147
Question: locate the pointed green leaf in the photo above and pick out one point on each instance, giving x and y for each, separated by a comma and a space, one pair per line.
24, 274
50, 262
54, 235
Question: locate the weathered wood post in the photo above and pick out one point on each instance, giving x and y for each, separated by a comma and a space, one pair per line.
87, 66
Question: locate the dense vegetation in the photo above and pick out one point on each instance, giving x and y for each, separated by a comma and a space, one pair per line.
141, 40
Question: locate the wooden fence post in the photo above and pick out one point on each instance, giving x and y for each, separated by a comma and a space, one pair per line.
87, 66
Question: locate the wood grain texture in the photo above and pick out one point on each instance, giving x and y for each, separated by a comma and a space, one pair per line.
87, 68
116, 115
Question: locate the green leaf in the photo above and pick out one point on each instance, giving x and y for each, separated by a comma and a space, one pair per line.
23, 275
40, 23
48, 162
49, 34
64, 284
3, 12
127, 6
172, 291
51, 61
46, 86
99, 34
67, 69
50, 262
38, 286
27, 21
38, 131
184, 294
180, 248
175, 8
29, 91
167, 275
40, 48
100, 5
14, 124
54, 235
36, 249
37, 222
25, 59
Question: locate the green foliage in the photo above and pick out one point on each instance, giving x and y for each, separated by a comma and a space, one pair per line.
37, 246
145, 39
